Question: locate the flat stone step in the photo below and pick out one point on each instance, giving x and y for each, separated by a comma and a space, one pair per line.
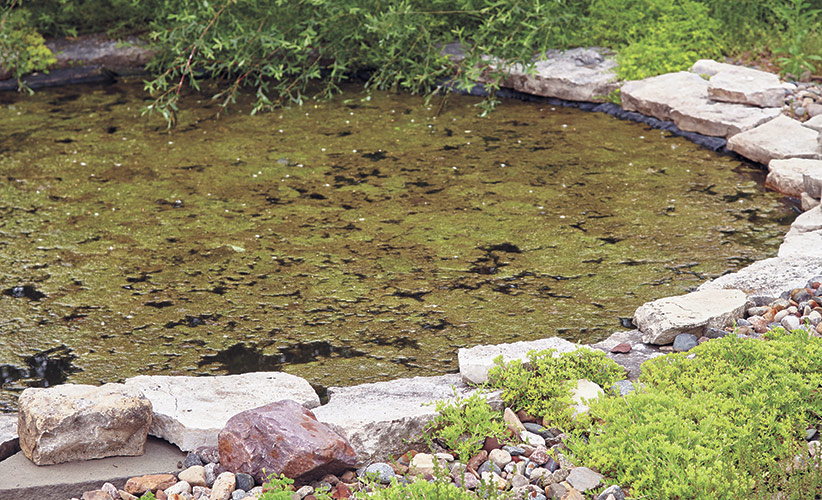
475, 362
632, 361
682, 97
788, 176
747, 86
766, 280
777, 139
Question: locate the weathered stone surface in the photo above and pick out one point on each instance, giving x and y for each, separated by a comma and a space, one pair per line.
475, 362
807, 222
747, 86
777, 139
98, 49
9, 443
583, 393
658, 96
786, 176
584, 479
798, 244
378, 419
223, 486
151, 482
79, 422
631, 361
191, 411
581, 74
814, 123
709, 67
812, 183
808, 202
683, 98
283, 438
662, 320
720, 119
194, 475
766, 280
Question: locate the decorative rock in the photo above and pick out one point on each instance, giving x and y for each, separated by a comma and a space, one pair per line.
622, 388
239, 494
540, 455
244, 481
685, 342
79, 422
489, 466
201, 492
540, 476
812, 183
194, 475
580, 74
790, 323
814, 123
190, 411
378, 418
208, 454
787, 176
422, 463
494, 480
555, 491
808, 202
282, 438
560, 475
96, 495
151, 482
584, 479
211, 473
477, 460
500, 458
747, 86
632, 361
518, 481
573, 494
178, 488
467, 480
662, 320
779, 138
515, 451
111, 490
583, 392
532, 439
623, 348
510, 419
801, 244
223, 486
613, 491
9, 442
304, 491
192, 459
381, 471
476, 361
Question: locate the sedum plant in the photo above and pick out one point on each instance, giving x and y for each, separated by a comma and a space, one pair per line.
462, 424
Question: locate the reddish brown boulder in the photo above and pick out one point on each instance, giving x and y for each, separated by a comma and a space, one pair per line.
283, 438
622, 348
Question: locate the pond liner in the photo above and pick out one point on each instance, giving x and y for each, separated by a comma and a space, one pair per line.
713, 143
65, 76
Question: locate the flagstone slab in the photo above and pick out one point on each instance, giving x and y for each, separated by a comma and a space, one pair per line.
747, 86
788, 176
777, 139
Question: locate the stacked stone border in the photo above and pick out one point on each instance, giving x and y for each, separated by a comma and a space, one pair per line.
716, 104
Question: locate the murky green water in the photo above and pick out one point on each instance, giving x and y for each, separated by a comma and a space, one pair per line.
345, 241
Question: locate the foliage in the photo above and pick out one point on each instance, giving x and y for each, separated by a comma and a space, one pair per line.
655, 36
722, 421
464, 423
280, 488
543, 387
22, 49
439, 489
800, 20
148, 495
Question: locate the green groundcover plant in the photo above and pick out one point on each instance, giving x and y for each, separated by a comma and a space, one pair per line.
462, 424
725, 420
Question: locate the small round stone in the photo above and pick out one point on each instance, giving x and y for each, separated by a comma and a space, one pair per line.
685, 342
244, 481
192, 459
381, 471
500, 457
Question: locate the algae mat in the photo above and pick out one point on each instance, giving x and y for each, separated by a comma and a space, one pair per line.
345, 241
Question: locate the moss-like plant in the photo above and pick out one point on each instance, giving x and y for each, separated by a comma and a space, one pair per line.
462, 424
280, 488
724, 420
439, 489
543, 386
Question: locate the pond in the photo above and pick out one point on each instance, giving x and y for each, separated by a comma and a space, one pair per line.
345, 241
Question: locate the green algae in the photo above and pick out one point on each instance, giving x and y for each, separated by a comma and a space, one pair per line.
348, 241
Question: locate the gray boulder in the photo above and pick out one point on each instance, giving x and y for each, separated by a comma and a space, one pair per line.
812, 183
382, 418
747, 86
71, 422
662, 320
9, 442
777, 139
191, 411
798, 244
475, 362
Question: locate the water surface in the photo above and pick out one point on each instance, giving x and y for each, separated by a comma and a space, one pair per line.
348, 241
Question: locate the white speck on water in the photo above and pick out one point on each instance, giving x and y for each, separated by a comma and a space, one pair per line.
254, 175
281, 131
502, 164
642, 137
360, 219
346, 121
412, 120
123, 139
328, 185
353, 150
454, 168
117, 164
564, 126
96, 214
82, 163
259, 172
322, 149
561, 216
171, 142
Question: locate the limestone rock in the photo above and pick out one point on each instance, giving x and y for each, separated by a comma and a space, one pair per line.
779, 138
764, 281
584, 479
683, 98
812, 183
378, 418
475, 362
747, 86
787, 176
814, 123
709, 67
9, 443
658, 96
662, 320
283, 438
798, 244
580, 74
631, 361
584, 392
71, 422
151, 482
191, 411
808, 202
194, 475
807, 222
223, 486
